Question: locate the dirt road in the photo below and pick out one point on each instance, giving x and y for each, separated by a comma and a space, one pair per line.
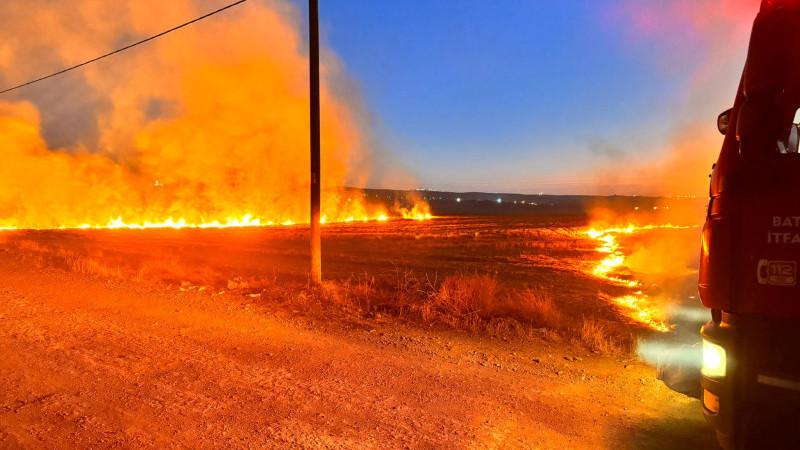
88, 362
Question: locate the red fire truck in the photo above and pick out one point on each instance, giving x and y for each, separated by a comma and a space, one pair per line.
751, 247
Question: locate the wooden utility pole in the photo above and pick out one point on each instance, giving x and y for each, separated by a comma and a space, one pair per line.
313, 58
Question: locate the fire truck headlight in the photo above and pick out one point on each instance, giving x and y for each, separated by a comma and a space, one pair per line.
714, 360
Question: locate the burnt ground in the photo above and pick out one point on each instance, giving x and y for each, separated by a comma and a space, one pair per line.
106, 339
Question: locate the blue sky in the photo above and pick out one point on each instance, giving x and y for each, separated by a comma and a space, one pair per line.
508, 95
578, 96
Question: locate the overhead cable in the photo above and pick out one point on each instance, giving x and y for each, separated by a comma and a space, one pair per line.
127, 47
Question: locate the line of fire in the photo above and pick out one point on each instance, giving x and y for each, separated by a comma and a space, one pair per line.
290, 224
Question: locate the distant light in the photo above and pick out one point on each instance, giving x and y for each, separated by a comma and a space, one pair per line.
458, 200
655, 207
499, 200
637, 208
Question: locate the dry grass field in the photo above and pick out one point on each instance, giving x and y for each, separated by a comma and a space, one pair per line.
519, 275
467, 332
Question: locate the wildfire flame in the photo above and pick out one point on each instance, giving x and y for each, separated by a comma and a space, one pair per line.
188, 132
615, 258
639, 310
637, 306
246, 221
420, 211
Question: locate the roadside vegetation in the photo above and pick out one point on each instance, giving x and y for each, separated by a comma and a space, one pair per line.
474, 302
477, 303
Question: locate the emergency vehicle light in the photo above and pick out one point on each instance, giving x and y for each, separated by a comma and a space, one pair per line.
714, 360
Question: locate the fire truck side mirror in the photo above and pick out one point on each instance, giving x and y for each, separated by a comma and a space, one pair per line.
723, 120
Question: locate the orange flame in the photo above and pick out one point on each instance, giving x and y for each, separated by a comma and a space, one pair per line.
615, 258
639, 310
246, 221
637, 306
186, 132
420, 211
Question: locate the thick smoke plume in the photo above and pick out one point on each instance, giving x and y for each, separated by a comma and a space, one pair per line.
205, 124
708, 40
704, 43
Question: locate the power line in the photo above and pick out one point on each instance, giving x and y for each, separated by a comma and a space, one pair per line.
127, 47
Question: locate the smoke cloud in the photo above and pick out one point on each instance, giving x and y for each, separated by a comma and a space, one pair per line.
205, 124
706, 39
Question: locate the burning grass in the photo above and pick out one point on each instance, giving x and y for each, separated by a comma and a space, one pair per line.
494, 276
183, 139
637, 305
